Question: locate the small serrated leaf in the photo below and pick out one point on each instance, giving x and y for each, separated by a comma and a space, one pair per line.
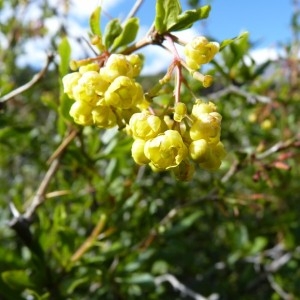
166, 13
128, 33
189, 17
112, 30
95, 21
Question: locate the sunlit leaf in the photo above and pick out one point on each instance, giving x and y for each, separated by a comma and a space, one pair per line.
95, 21
189, 17
166, 13
112, 30
128, 33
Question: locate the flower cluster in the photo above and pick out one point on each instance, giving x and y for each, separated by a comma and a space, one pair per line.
105, 96
173, 144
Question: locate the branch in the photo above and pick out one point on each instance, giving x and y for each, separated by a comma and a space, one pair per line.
177, 285
231, 89
134, 9
30, 83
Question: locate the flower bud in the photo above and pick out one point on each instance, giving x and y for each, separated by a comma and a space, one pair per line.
201, 107
180, 111
69, 82
104, 117
137, 152
136, 62
81, 112
214, 157
145, 126
124, 93
89, 67
208, 127
199, 150
166, 151
200, 51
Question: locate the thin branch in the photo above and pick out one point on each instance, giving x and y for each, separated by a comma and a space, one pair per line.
282, 145
30, 83
185, 291
231, 89
61, 148
134, 9
90, 240
278, 289
40, 194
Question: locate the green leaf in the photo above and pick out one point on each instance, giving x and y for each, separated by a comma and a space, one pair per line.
166, 14
95, 21
242, 36
128, 33
112, 30
189, 17
64, 51
17, 279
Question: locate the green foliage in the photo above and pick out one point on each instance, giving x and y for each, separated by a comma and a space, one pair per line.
169, 16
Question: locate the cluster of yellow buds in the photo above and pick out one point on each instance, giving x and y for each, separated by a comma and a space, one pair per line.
105, 96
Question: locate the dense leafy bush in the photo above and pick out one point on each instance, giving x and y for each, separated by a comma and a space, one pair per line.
80, 219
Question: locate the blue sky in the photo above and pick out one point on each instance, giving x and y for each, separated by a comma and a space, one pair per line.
267, 21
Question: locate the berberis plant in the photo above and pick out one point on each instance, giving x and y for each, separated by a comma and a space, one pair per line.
168, 135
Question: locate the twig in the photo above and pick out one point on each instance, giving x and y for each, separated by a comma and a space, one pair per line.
250, 97
277, 147
278, 289
177, 285
30, 83
63, 145
134, 9
40, 194
90, 240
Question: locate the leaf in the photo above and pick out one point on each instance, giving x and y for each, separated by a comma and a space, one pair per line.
128, 33
95, 21
112, 30
17, 279
227, 42
166, 13
189, 17
64, 51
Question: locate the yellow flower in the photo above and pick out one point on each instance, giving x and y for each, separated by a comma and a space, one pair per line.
137, 152
180, 111
124, 93
207, 126
166, 151
103, 116
116, 65
201, 107
90, 87
145, 126
200, 51
81, 112
69, 82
